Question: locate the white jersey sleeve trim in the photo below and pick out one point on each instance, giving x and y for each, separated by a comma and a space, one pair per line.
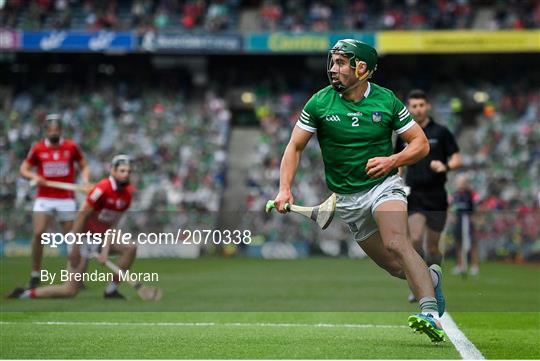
403, 111
305, 127
406, 127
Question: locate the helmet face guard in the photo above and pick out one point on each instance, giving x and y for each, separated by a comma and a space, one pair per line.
338, 85
357, 52
117, 161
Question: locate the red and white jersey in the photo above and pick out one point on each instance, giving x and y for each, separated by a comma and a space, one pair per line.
57, 163
109, 202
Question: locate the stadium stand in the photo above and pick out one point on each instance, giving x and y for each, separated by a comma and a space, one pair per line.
179, 147
297, 16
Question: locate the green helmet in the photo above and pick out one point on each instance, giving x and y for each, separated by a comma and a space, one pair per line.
356, 50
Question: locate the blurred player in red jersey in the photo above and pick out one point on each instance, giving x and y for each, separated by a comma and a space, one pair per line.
104, 206
55, 158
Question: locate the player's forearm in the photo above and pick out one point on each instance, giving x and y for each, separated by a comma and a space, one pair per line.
26, 171
454, 162
85, 174
289, 164
413, 152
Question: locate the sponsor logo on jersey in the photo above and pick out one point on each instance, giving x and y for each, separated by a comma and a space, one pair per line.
433, 141
357, 114
333, 118
55, 169
96, 194
376, 116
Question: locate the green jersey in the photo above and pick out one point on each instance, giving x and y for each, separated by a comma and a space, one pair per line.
350, 133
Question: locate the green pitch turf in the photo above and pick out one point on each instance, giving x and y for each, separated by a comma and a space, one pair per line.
240, 308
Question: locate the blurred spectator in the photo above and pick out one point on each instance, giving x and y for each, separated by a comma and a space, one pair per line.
62, 17
463, 201
105, 17
515, 14
270, 14
319, 16
161, 19
139, 9
217, 15
192, 13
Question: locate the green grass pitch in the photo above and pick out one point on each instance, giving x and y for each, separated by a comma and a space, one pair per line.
316, 308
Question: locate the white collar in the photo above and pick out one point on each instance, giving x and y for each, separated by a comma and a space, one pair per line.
366, 93
49, 144
113, 183
368, 89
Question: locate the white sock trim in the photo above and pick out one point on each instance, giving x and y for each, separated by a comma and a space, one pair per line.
111, 287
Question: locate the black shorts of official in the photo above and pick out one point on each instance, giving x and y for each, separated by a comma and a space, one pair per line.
432, 203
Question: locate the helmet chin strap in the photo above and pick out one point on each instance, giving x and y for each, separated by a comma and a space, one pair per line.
340, 88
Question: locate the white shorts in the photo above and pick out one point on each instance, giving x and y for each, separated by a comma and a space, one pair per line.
63, 209
357, 209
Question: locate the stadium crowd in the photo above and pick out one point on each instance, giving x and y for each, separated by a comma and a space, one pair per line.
296, 16
178, 148
502, 153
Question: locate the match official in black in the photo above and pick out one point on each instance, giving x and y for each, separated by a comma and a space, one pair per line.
428, 200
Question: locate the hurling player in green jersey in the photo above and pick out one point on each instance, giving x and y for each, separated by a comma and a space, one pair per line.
354, 120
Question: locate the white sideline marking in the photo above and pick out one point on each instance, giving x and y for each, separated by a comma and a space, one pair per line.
203, 324
466, 348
